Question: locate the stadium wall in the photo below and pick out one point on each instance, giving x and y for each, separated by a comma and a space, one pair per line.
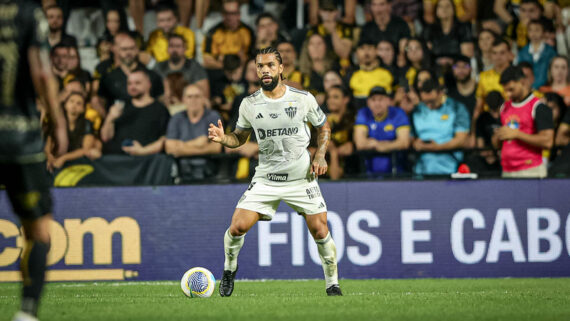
487, 228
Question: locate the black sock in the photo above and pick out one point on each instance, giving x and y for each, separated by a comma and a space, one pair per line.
33, 266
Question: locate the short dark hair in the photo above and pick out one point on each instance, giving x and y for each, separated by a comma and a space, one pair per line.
430, 85
537, 22
342, 88
265, 15
499, 41
270, 50
60, 45
231, 62
173, 35
143, 70
512, 73
525, 65
166, 7
534, 2
494, 100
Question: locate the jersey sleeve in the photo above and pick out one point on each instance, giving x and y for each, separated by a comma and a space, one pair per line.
244, 117
315, 114
543, 118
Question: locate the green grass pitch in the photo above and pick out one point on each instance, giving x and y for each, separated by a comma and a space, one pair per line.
421, 299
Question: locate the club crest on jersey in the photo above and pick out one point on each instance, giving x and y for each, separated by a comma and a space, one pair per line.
291, 111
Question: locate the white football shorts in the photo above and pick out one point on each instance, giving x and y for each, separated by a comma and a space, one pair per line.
303, 196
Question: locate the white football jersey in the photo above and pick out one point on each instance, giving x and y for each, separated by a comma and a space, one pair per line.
282, 132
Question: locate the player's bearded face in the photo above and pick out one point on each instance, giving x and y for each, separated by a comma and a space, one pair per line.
268, 85
269, 71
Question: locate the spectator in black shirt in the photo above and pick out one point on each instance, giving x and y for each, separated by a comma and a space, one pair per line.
384, 25
463, 87
447, 36
487, 123
113, 85
57, 35
137, 127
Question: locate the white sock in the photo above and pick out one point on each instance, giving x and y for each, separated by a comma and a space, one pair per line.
327, 253
232, 245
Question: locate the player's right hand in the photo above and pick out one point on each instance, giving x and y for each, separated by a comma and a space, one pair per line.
216, 133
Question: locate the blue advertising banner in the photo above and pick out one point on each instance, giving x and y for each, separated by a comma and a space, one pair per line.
487, 228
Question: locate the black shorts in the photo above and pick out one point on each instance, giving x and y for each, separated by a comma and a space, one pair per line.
28, 187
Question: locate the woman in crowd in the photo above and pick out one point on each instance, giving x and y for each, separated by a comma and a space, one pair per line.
387, 55
330, 79
174, 85
448, 37
314, 62
417, 57
74, 66
484, 48
558, 78
82, 141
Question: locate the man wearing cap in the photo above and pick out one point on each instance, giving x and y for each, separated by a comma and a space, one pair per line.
381, 128
368, 75
440, 126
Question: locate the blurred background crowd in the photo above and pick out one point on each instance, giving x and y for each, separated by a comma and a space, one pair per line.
411, 87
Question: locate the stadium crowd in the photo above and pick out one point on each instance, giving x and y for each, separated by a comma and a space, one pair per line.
410, 86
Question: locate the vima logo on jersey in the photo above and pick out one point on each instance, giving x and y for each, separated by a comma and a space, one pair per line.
277, 177
262, 133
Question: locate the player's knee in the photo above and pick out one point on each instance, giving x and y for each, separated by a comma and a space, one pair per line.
321, 233
238, 229
37, 230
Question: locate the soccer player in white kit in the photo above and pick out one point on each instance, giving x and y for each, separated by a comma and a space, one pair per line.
279, 114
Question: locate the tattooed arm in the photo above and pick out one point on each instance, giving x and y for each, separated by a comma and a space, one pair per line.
319, 165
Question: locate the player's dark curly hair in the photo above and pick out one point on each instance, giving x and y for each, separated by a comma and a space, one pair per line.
271, 50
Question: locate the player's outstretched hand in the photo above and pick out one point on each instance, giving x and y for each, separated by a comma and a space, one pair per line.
216, 133
319, 166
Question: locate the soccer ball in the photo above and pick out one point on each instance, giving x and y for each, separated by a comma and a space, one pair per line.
198, 282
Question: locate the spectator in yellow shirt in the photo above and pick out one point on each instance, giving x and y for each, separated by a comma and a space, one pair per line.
369, 73
167, 23
230, 37
501, 57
